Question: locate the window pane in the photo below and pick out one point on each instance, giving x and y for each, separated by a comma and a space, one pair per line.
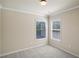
38, 26
56, 34
42, 33
56, 30
40, 30
56, 24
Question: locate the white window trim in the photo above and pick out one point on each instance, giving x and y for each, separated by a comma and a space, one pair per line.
42, 19
55, 29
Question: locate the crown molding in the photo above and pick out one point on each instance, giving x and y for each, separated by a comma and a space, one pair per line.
38, 14
17, 10
21, 11
63, 11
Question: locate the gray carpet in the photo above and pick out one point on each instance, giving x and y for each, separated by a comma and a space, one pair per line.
41, 52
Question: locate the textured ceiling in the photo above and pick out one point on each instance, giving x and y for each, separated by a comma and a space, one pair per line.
35, 7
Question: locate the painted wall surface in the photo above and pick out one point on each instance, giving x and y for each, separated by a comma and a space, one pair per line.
69, 32
19, 31
0, 31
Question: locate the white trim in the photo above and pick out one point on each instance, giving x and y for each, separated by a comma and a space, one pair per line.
57, 39
21, 11
21, 50
69, 52
51, 14
65, 50
55, 29
63, 11
43, 19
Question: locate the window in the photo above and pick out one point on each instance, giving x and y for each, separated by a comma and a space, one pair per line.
56, 29
40, 30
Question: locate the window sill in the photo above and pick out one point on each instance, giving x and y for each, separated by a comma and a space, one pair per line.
41, 38
56, 39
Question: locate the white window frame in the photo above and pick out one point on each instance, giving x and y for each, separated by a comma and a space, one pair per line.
43, 19
55, 19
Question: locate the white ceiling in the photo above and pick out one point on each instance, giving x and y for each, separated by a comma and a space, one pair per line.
35, 7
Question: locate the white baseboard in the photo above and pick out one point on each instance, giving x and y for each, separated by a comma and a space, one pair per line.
65, 50
21, 50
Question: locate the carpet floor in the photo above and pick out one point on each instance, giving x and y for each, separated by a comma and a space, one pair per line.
41, 52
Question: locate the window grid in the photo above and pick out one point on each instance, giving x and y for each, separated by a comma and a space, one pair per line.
40, 30
56, 30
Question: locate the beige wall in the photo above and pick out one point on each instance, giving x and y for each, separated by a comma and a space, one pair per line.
19, 31
69, 32
0, 31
